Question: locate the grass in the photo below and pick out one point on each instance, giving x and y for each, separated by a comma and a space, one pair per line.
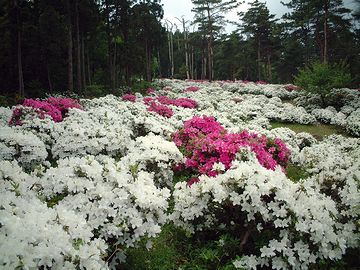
174, 249
319, 131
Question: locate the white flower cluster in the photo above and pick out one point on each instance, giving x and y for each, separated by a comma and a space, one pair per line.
353, 122
23, 146
5, 115
268, 201
32, 235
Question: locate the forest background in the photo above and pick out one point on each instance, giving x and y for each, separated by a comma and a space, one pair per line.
92, 48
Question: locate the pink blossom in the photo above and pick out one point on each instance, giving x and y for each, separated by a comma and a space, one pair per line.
192, 181
192, 89
148, 100
150, 91
160, 109
186, 103
205, 142
129, 97
56, 108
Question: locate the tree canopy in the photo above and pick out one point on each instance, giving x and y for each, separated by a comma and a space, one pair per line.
95, 47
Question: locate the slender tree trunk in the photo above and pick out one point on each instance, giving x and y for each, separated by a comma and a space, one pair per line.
78, 49
326, 10
192, 63
148, 61
114, 70
186, 48
88, 68
172, 55
210, 46
269, 68
49, 77
21, 91
83, 68
159, 63
110, 51
70, 48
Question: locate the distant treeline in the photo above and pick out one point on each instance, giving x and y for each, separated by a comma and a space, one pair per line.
91, 47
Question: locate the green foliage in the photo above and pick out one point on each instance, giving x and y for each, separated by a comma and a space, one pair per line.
140, 86
295, 173
321, 78
7, 101
174, 249
95, 90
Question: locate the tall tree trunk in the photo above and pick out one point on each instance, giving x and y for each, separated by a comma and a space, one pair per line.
159, 63
259, 59
113, 65
148, 60
83, 69
78, 49
88, 68
21, 90
109, 41
326, 15
210, 46
49, 77
192, 63
186, 48
70, 48
269, 68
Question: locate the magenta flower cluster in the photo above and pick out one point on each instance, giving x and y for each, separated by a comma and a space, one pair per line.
150, 91
56, 108
129, 97
160, 109
204, 142
192, 89
160, 104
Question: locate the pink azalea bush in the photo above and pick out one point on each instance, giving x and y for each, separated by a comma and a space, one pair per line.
192, 89
204, 143
56, 108
129, 97
160, 109
160, 104
64, 104
150, 91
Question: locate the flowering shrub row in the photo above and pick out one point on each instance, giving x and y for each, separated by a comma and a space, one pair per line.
209, 148
159, 104
56, 108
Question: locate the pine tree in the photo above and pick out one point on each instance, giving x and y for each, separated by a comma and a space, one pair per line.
257, 24
209, 15
316, 24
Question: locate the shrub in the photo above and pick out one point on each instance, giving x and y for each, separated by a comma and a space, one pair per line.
320, 79
96, 90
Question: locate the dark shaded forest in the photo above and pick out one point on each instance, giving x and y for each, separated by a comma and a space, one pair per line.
94, 47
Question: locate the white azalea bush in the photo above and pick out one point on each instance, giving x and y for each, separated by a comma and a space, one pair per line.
23, 146
306, 225
33, 235
81, 186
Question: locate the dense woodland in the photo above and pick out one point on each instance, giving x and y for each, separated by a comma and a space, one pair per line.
93, 47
